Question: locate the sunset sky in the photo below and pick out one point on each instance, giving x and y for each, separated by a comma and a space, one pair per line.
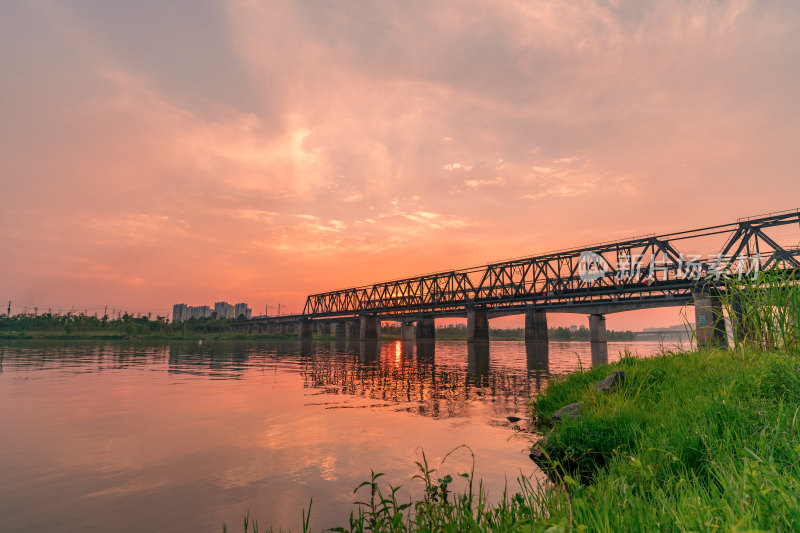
195, 151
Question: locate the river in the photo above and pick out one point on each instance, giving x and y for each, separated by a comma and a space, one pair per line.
183, 436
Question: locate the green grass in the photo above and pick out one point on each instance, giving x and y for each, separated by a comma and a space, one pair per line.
700, 441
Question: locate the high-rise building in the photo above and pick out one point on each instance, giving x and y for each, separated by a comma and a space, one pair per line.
182, 312
179, 313
224, 310
201, 311
242, 309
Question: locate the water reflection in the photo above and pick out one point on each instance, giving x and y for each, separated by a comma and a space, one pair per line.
599, 353
537, 355
99, 435
402, 372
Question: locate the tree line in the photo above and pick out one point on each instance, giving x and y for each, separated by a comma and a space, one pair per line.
127, 324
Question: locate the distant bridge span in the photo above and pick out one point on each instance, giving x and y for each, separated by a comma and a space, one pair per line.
643, 272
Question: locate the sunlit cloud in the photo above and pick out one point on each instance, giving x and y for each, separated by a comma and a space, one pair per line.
474, 184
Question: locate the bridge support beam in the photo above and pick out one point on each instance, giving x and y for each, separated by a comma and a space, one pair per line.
597, 328
283, 329
407, 331
304, 329
477, 325
353, 329
325, 329
709, 320
426, 328
535, 326
341, 330
369, 329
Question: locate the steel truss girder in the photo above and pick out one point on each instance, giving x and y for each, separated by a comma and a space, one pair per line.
650, 268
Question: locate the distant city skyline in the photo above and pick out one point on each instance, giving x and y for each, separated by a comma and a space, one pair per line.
182, 312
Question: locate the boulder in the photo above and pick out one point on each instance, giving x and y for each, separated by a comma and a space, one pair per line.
538, 452
568, 411
611, 381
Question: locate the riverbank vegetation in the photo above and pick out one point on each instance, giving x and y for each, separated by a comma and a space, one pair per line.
124, 326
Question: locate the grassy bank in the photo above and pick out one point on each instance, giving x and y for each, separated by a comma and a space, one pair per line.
701, 441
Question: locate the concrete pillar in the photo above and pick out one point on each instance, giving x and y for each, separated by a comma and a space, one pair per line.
535, 325
477, 325
597, 328
709, 320
304, 329
341, 330
354, 329
325, 329
426, 328
369, 330
283, 329
407, 331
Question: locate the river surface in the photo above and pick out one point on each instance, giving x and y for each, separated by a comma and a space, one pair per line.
147, 436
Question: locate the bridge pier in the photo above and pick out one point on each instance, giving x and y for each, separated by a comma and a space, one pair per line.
325, 329
477, 325
304, 329
407, 331
353, 329
597, 328
283, 329
709, 320
341, 330
369, 329
426, 328
536, 326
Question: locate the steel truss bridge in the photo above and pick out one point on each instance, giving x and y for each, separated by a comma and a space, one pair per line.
648, 271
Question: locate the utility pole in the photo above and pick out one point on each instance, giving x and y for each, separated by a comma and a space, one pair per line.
105, 311
279, 309
9, 309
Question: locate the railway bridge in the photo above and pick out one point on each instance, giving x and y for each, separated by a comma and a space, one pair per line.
674, 269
